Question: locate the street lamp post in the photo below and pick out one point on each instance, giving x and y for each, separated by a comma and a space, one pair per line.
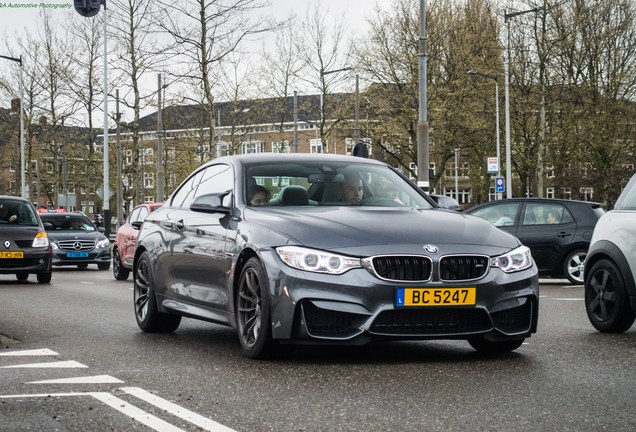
507, 17
496, 79
322, 96
23, 193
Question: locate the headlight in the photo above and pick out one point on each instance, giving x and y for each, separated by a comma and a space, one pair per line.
54, 245
102, 243
516, 260
316, 261
40, 240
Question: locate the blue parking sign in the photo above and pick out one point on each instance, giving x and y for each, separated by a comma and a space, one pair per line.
499, 184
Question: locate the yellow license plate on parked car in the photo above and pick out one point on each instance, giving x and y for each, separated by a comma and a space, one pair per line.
435, 296
16, 254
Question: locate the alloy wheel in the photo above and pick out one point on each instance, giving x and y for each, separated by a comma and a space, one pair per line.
249, 308
602, 295
142, 288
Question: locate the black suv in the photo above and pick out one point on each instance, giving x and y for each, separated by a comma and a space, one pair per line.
557, 231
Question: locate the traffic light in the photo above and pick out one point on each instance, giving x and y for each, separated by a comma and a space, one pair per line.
88, 8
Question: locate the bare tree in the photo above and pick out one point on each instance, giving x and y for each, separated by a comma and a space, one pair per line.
325, 51
203, 34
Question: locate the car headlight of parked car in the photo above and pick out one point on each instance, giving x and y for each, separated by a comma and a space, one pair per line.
102, 243
516, 260
316, 261
40, 240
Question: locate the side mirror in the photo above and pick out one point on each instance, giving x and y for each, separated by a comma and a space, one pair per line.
211, 203
137, 224
48, 226
101, 229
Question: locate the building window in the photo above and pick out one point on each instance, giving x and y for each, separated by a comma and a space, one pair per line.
549, 192
91, 206
464, 195
412, 171
549, 170
49, 167
315, 145
252, 147
149, 179
149, 199
71, 188
280, 147
11, 167
127, 159
587, 193
567, 192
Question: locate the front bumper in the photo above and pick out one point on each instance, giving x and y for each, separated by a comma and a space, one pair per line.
356, 307
33, 262
95, 256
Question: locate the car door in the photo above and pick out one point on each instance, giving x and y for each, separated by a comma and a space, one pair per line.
199, 262
546, 237
138, 215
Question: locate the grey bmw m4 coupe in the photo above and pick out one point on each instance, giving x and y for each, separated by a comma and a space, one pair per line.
327, 249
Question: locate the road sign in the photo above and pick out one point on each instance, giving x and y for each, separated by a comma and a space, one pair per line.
100, 192
500, 185
492, 165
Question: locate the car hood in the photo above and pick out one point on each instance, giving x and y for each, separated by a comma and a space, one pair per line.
75, 235
360, 230
17, 233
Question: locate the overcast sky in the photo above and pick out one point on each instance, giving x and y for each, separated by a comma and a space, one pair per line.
16, 16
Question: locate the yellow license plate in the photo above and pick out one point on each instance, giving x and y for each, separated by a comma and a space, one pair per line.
435, 296
18, 254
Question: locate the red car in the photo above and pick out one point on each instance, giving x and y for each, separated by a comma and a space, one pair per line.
124, 246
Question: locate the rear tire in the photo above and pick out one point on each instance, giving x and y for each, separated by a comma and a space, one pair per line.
483, 345
119, 271
148, 317
45, 278
22, 276
82, 266
606, 300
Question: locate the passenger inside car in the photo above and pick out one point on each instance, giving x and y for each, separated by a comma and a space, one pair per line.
258, 196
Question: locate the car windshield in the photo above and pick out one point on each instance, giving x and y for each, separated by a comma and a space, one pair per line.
68, 222
329, 184
16, 212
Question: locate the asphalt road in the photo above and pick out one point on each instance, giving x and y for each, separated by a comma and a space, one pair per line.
80, 329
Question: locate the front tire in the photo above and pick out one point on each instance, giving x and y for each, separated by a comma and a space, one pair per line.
485, 346
44, 278
119, 271
573, 266
82, 266
606, 299
22, 276
148, 317
103, 266
253, 311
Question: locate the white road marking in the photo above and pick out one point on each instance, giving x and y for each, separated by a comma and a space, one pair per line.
35, 352
87, 283
176, 410
97, 379
114, 402
135, 413
62, 364
568, 299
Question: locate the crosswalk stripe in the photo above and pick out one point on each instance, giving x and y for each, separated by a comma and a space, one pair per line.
34, 352
52, 365
97, 379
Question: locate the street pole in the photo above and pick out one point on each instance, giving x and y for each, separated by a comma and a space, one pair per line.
159, 145
295, 121
356, 132
106, 201
422, 124
120, 200
507, 17
23, 192
322, 99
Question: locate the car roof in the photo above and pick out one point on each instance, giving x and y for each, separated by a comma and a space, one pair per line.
291, 158
12, 197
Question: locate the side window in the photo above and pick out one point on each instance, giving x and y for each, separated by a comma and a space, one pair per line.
499, 214
142, 214
546, 214
217, 179
134, 216
185, 195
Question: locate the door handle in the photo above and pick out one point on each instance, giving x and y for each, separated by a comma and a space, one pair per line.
178, 225
563, 234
